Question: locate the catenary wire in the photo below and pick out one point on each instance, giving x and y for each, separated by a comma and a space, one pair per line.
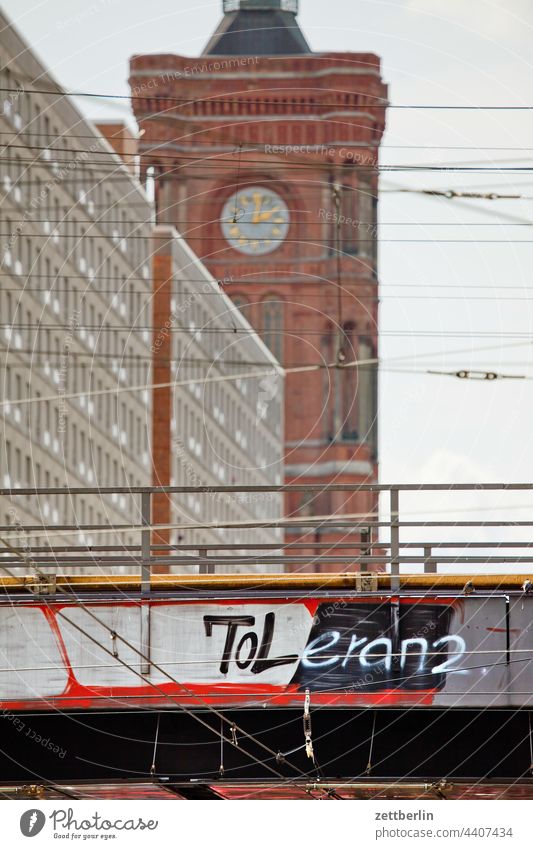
381, 102
72, 596
93, 137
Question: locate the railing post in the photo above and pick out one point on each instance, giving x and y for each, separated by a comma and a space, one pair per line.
366, 551
395, 539
146, 569
430, 565
205, 568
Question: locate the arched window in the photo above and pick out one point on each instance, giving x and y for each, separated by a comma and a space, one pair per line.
328, 386
272, 325
349, 425
367, 396
242, 305
367, 218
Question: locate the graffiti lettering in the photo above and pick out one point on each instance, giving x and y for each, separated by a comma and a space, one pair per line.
386, 660
331, 656
369, 646
413, 641
250, 637
447, 666
354, 643
371, 656
258, 653
319, 645
232, 623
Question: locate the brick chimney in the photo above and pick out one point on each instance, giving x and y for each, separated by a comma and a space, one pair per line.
122, 140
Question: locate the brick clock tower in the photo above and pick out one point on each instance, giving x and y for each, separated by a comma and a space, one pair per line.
264, 157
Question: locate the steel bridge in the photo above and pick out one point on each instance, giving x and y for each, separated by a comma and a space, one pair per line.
235, 670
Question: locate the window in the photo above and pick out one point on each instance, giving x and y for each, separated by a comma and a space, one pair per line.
38, 416
349, 377
350, 222
367, 223
74, 444
335, 394
242, 305
272, 325
18, 466
367, 396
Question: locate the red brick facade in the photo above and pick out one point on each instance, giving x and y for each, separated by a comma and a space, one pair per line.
162, 273
297, 125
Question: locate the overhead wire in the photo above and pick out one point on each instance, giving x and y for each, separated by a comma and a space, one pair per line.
142, 657
92, 288
266, 372
260, 147
380, 102
219, 164
178, 224
203, 329
182, 153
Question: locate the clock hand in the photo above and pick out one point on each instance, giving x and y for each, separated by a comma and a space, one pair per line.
265, 216
258, 200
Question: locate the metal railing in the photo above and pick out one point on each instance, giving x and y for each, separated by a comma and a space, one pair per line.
375, 541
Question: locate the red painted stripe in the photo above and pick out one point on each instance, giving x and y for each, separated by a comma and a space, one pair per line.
144, 696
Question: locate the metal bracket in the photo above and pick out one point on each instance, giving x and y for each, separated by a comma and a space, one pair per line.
440, 788
42, 584
366, 582
29, 791
394, 539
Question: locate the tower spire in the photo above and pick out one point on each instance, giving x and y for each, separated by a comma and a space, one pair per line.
258, 28
235, 5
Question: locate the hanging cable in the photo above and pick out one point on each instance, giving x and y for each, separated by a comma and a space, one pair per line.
221, 767
369, 764
234, 727
152, 768
307, 727
530, 744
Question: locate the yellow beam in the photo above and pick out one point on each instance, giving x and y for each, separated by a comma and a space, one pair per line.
280, 582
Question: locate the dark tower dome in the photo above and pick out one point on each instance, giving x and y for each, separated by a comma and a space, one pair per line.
258, 28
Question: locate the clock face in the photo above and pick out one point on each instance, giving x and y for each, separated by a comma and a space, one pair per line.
255, 220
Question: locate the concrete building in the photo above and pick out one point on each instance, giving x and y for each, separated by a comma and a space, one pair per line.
79, 329
74, 304
265, 158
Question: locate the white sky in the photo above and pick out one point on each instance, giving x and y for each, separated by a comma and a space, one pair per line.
470, 52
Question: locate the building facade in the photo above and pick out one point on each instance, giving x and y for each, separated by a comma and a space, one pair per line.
265, 157
81, 329
74, 306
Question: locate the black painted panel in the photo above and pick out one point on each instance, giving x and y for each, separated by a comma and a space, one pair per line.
356, 647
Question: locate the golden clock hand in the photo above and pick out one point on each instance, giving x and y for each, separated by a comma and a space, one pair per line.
258, 200
265, 216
